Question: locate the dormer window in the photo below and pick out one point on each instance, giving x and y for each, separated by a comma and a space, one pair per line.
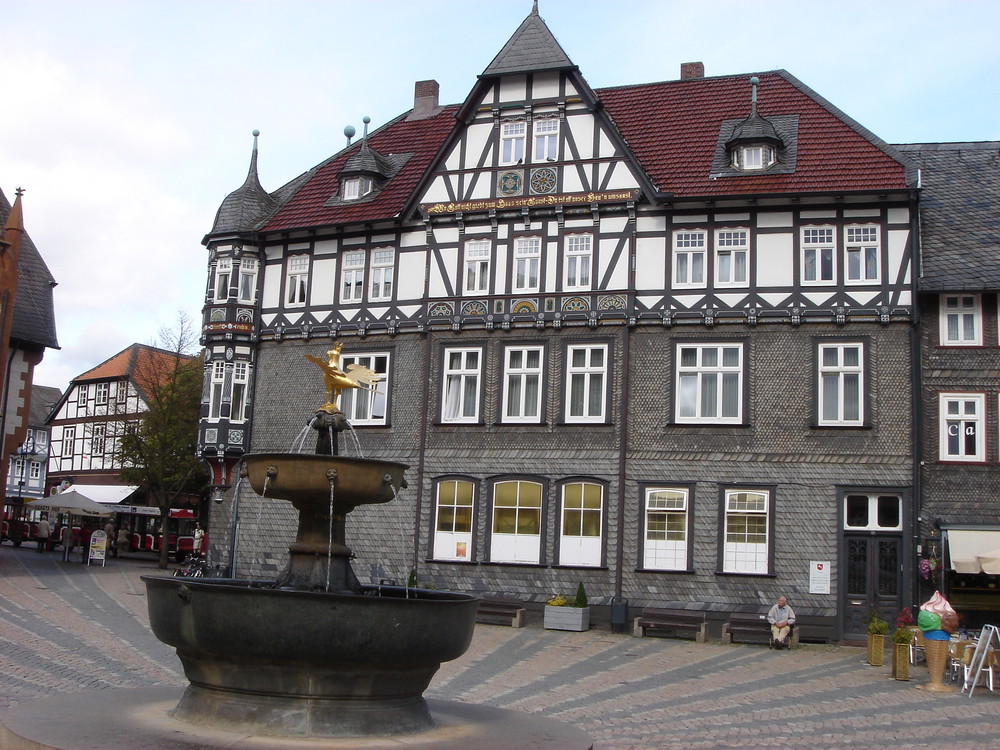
357, 187
753, 156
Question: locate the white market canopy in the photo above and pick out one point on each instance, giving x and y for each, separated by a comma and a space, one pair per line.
974, 550
104, 493
71, 502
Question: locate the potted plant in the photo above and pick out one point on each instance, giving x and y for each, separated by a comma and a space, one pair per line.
901, 639
877, 628
565, 613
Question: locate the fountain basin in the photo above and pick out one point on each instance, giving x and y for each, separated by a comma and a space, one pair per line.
294, 663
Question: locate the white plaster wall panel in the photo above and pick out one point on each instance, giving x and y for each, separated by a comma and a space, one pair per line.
774, 219
408, 311
732, 300
806, 215
270, 295
691, 219
476, 136
618, 280
905, 298
863, 297
268, 319
275, 252
446, 235
621, 177
774, 299
513, 88
688, 300
572, 182
384, 239
551, 255
323, 282
651, 223
650, 302
325, 247
501, 252
650, 262
571, 90
481, 190
503, 231
774, 266
850, 213
897, 255
582, 128
243, 350
819, 298
607, 148
349, 314
579, 223
416, 238
545, 85
299, 247
410, 284
437, 281
436, 192
378, 312
898, 215
614, 224
732, 217
355, 240
295, 316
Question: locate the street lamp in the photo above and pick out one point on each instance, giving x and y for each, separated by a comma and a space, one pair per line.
24, 451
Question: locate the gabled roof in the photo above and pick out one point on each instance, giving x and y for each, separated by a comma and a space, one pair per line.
34, 319
146, 366
531, 48
43, 398
672, 128
959, 215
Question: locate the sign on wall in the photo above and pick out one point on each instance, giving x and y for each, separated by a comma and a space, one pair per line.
819, 577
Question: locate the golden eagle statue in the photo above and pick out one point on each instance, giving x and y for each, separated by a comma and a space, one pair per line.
336, 380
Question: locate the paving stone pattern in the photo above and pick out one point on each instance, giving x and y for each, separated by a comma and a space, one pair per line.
66, 627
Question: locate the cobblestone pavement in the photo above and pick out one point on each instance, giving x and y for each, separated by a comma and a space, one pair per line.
66, 627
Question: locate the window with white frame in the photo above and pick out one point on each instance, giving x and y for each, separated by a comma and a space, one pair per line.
248, 279
960, 320
383, 260
818, 258
755, 156
238, 400
689, 258
68, 448
546, 139
35, 470
223, 273
527, 256
586, 382
357, 187
962, 418
517, 522
709, 383
732, 254
522, 391
352, 274
512, 136
841, 384
577, 262
477, 266
873, 512
461, 385
453, 522
101, 391
97, 435
581, 524
217, 389
745, 549
666, 529
363, 406
83, 395
297, 281
17, 469
861, 246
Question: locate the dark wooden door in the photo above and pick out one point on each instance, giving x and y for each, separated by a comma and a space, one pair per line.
873, 580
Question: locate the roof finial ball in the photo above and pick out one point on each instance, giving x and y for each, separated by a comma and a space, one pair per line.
255, 134
753, 91
366, 119
349, 131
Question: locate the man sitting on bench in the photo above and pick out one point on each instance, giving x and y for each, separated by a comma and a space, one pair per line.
781, 618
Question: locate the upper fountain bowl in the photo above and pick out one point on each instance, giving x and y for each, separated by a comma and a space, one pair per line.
307, 478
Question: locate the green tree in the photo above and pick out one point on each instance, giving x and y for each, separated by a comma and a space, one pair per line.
158, 448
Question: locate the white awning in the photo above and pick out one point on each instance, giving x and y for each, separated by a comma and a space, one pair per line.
967, 546
106, 493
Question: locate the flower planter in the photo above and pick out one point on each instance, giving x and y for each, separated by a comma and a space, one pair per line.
876, 649
566, 618
901, 661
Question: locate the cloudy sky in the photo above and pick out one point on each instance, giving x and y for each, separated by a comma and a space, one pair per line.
128, 122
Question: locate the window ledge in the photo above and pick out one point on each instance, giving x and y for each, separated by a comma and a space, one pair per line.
450, 562
840, 427
579, 567
514, 564
686, 572
745, 575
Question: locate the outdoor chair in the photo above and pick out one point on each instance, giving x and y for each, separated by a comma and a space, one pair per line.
990, 665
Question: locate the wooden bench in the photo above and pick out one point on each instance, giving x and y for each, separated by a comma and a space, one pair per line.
501, 611
752, 628
670, 622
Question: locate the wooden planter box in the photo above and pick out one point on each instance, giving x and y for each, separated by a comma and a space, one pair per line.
566, 618
876, 650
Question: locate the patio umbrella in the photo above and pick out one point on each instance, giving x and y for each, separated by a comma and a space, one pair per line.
71, 502
990, 562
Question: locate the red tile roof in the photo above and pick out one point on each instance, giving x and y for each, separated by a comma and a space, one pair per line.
422, 138
147, 366
671, 127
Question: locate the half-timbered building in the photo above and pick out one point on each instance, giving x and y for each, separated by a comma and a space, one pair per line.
653, 338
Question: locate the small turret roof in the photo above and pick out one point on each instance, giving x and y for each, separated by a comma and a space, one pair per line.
247, 207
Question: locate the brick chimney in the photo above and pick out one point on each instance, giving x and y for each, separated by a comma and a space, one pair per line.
691, 70
425, 100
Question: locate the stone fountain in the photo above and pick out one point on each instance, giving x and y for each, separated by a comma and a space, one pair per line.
313, 657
